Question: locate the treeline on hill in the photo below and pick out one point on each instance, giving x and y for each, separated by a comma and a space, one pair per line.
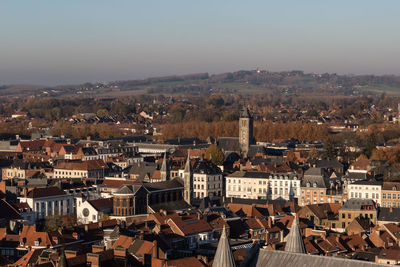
208, 108
263, 131
82, 131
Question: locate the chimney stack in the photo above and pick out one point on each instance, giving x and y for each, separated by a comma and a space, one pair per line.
155, 250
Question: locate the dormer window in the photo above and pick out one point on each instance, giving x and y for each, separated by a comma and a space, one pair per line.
36, 243
315, 185
308, 184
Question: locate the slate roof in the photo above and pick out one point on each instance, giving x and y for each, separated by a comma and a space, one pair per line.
128, 189
206, 167
102, 203
256, 149
244, 113
229, 143
395, 186
170, 184
142, 169
7, 211
249, 174
389, 214
357, 176
313, 176
45, 192
171, 205
325, 163
278, 258
368, 182
356, 204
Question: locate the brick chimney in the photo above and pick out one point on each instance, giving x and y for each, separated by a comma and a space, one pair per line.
155, 250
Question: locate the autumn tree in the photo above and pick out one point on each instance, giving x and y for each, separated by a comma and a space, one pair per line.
214, 154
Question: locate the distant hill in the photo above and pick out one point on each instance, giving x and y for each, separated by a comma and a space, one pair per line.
240, 82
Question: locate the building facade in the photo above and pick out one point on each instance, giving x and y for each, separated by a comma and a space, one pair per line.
370, 189
48, 201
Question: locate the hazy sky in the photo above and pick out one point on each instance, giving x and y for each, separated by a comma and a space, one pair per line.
57, 42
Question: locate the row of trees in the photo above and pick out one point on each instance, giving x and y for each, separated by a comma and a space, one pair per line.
263, 131
101, 130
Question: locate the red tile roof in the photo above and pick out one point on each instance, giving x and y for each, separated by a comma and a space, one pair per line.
96, 164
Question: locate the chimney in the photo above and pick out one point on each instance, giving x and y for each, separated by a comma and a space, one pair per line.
269, 221
155, 250
75, 235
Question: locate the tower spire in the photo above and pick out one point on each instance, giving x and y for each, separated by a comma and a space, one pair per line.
223, 255
295, 242
164, 168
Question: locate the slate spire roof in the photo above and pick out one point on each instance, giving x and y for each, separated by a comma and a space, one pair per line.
63, 260
164, 166
188, 165
295, 242
223, 255
244, 113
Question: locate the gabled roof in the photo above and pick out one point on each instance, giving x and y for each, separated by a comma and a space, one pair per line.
8, 211
102, 203
128, 189
29, 258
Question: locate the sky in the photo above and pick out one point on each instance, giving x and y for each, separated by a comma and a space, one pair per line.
52, 42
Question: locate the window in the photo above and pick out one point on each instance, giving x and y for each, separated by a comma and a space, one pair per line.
384, 195
349, 216
366, 195
389, 196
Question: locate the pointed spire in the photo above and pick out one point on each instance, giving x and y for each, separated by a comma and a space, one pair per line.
223, 255
164, 166
63, 261
188, 165
294, 241
244, 113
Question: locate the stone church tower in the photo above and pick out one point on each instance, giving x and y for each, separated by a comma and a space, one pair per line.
245, 131
188, 181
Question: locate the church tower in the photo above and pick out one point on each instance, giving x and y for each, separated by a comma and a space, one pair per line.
245, 131
164, 171
188, 181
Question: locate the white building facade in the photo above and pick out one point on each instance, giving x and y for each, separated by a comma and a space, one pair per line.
48, 202
262, 185
366, 190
